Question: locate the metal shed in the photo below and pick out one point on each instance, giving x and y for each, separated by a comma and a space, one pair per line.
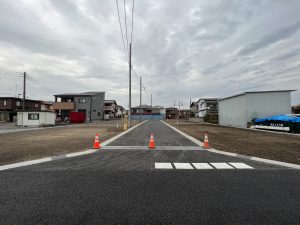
238, 110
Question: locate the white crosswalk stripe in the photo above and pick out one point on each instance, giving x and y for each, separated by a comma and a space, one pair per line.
202, 166
163, 166
241, 166
183, 166
222, 166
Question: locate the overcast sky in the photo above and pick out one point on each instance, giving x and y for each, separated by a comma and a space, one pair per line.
183, 49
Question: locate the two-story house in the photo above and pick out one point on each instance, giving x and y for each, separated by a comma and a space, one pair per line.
90, 103
9, 106
111, 108
207, 106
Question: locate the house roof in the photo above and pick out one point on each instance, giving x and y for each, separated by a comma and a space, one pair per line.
110, 101
21, 99
142, 106
208, 99
88, 93
251, 92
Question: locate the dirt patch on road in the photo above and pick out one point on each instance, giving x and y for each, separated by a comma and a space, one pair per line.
275, 146
27, 145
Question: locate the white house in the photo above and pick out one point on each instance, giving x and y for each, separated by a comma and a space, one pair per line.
35, 118
207, 105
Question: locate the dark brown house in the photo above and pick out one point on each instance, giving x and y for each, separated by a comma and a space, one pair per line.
9, 106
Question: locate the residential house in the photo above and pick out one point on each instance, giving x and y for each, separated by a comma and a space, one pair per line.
207, 106
90, 103
9, 106
120, 111
146, 110
47, 106
110, 108
194, 108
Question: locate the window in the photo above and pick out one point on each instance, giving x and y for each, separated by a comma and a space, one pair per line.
81, 100
4, 103
36, 105
18, 103
98, 113
33, 116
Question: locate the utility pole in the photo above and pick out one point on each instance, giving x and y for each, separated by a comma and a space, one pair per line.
151, 106
174, 103
129, 111
24, 89
179, 110
140, 98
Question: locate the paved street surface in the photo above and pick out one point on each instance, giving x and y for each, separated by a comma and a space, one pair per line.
125, 183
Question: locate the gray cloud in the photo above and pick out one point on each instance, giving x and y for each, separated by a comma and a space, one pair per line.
271, 38
183, 48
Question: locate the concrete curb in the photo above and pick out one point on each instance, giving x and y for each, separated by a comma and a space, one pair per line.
69, 155
269, 161
185, 135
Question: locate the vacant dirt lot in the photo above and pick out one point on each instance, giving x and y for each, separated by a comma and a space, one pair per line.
276, 146
27, 145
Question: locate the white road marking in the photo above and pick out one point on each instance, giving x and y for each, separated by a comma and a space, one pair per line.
241, 166
183, 166
221, 166
26, 163
163, 166
202, 166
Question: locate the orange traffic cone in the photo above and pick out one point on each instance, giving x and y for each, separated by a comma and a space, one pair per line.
151, 143
206, 144
97, 142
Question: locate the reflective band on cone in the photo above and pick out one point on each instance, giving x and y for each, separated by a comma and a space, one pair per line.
206, 144
151, 143
97, 142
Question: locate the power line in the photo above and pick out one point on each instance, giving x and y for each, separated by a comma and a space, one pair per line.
126, 24
121, 31
132, 10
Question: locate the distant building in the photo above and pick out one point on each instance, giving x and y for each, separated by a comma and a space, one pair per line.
9, 106
238, 110
90, 103
47, 106
110, 108
207, 106
120, 111
172, 113
146, 110
194, 108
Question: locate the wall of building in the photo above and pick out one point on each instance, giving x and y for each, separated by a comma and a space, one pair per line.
232, 112
4, 116
45, 118
240, 110
267, 104
93, 106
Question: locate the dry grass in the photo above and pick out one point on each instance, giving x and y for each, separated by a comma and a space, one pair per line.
276, 146
27, 145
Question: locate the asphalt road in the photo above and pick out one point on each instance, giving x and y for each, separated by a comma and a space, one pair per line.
123, 186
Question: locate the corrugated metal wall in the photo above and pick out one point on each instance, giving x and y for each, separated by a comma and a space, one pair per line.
268, 104
232, 111
239, 110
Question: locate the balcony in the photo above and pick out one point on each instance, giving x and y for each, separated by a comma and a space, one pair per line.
63, 105
109, 108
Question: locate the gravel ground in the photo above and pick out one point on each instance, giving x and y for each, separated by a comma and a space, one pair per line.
269, 145
33, 144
